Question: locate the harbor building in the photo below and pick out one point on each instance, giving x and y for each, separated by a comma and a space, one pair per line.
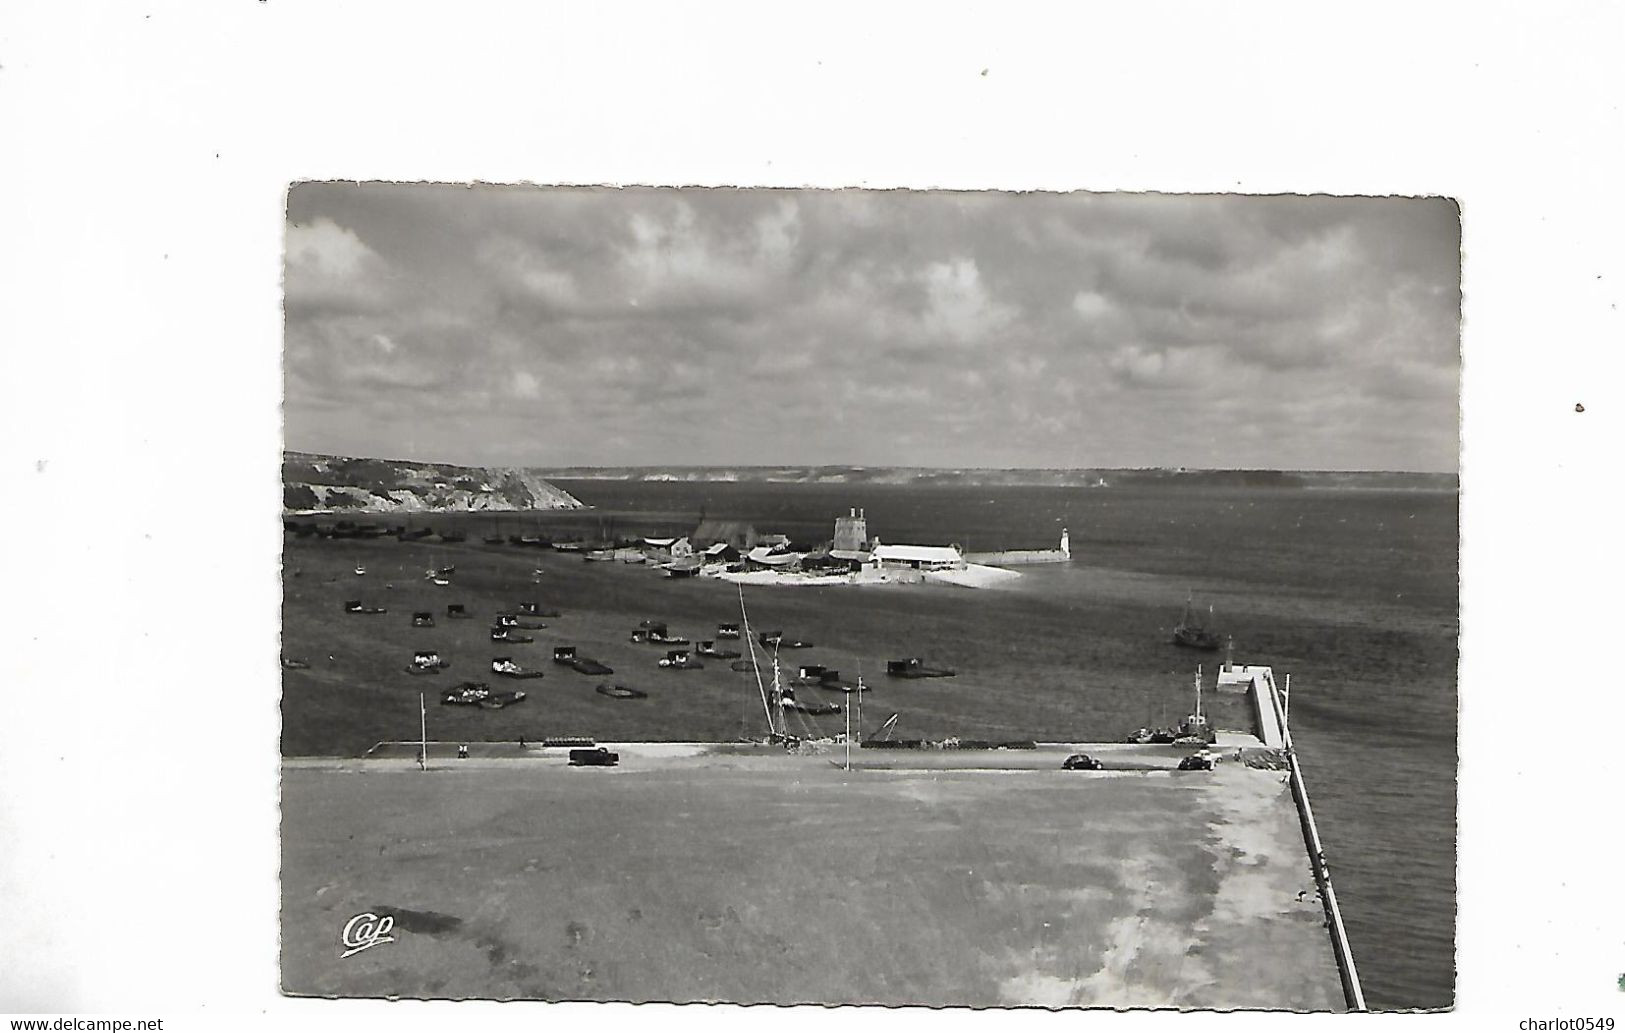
917, 557
664, 550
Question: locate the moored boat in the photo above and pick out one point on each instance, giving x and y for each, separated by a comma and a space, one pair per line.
914, 667
509, 620
479, 694
680, 660
566, 655
505, 667
776, 639
1192, 634
709, 650
427, 661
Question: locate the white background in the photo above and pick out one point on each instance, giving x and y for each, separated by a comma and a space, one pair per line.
145, 149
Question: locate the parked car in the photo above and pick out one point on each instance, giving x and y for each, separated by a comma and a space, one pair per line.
1081, 762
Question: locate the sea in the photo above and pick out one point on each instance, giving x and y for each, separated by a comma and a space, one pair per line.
1352, 591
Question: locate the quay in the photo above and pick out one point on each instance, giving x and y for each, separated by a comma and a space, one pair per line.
748, 873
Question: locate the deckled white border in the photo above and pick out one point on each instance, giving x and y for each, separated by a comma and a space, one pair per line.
149, 146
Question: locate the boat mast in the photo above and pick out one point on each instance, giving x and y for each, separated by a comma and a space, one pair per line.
1198, 693
751, 645
846, 714
778, 692
860, 697
423, 735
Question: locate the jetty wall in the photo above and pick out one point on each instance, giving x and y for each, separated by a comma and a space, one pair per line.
1267, 700
1024, 557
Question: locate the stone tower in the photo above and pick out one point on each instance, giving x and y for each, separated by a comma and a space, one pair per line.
852, 532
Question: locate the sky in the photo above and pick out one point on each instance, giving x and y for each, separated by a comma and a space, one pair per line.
532, 326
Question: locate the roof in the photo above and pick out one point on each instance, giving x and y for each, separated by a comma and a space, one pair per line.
762, 554
849, 554
718, 549
918, 553
660, 543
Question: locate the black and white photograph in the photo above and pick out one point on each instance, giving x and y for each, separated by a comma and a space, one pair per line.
870, 597
905, 516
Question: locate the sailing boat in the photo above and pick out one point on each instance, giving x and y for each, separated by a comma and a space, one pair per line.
1195, 729
782, 699
786, 695
1194, 635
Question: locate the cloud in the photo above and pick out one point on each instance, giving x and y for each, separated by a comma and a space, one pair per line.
328, 269
734, 326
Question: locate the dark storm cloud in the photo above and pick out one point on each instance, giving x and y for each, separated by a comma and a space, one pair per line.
722, 326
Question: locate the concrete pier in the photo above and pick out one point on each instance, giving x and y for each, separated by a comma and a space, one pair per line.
745, 873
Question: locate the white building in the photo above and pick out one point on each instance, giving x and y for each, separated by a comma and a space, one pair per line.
659, 550
917, 557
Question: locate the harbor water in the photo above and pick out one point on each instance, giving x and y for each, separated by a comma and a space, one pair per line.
1352, 592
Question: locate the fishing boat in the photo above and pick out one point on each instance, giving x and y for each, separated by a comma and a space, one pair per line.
354, 606
600, 556
423, 619
808, 676
360, 570
427, 661
620, 692
566, 656
776, 640
1196, 730
478, 694
655, 633
501, 634
508, 620
533, 610
788, 700
727, 631
780, 699
914, 667
679, 660
457, 612
465, 694
505, 667
709, 650
1193, 635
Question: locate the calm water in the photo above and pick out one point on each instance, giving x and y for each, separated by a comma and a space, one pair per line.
1354, 592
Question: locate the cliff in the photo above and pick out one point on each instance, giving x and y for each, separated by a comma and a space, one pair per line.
318, 483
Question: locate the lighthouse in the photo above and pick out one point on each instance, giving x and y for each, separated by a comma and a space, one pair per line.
1066, 544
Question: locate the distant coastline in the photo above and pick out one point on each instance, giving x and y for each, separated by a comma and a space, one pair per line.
1098, 478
